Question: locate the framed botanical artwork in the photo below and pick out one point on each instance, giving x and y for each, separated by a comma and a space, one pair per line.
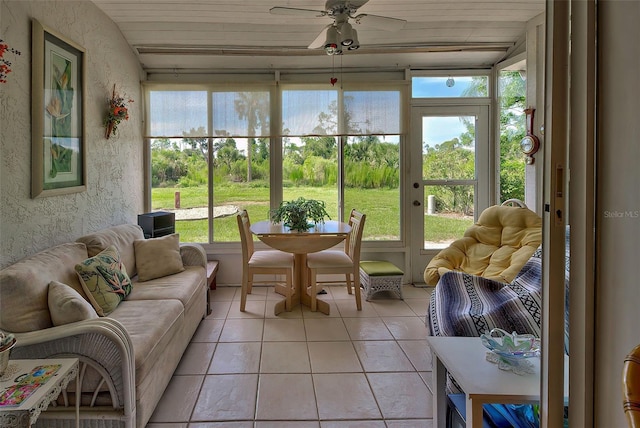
58, 154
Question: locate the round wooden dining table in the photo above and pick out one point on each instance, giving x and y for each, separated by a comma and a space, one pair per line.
319, 237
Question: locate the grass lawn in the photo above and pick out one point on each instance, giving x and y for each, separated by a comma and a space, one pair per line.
382, 207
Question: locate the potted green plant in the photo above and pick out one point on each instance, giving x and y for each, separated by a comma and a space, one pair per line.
301, 214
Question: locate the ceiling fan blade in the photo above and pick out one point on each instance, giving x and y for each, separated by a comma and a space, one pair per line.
357, 3
381, 22
297, 12
319, 41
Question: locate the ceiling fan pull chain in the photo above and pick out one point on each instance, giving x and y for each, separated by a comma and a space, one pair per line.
333, 79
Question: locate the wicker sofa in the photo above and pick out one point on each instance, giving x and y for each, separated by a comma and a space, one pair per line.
127, 357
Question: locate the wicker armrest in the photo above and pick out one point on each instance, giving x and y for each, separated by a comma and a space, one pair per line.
107, 365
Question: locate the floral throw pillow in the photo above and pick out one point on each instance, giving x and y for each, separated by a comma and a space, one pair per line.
104, 280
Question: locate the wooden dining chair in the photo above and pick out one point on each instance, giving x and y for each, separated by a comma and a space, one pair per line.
345, 261
631, 387
262, 262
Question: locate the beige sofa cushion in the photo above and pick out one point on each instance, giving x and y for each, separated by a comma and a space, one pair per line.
158, 257
121, 237
67, 305
181, 286
152, 326
24, 304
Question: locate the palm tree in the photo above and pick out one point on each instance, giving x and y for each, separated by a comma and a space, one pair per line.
254, 108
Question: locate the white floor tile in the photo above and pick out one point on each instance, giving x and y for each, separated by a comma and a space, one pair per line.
281, 330
242, 330
287, 424
401, 395
285, 357
333, 357
226, 398
208, 331
382, 356
178, 400
325, 329
303, 369
348, 309
169, 425
412, 423
223, 293
367, 329
226, 424
286, 397
406, 328
345, 396
219, 310
418, 353
419, 307
236, 357
352, 424
252, 309
392, 308
196, 359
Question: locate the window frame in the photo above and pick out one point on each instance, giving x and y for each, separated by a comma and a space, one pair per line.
276, 88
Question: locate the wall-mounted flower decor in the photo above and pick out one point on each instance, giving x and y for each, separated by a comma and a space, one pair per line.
118, 112
5, 65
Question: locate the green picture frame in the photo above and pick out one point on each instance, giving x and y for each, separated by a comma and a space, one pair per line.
58, 153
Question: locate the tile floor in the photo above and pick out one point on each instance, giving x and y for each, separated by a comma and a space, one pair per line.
369, 368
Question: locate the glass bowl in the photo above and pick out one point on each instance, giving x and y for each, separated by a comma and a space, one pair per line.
511, 346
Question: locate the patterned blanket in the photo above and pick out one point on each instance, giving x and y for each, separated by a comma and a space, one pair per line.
469, 305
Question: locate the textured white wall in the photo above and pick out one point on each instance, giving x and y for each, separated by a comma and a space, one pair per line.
114, 167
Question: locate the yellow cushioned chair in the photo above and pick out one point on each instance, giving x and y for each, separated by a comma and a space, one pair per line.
496, 247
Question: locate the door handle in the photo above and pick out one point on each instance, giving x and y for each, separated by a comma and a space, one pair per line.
416, 203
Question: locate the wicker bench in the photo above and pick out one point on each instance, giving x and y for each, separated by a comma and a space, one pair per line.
378, 276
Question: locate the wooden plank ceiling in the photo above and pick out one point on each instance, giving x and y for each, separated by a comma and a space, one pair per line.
217, 35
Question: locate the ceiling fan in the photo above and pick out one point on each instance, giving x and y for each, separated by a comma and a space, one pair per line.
340, 34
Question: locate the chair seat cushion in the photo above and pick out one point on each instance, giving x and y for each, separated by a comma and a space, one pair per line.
380, 268
271, 258
329, 259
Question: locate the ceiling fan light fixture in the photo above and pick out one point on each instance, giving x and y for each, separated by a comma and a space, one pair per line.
331, 39
331, 49
346, 34
331, 45
355, 44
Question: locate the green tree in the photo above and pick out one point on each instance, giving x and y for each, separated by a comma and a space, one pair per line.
168, 163
196, 142
451, 160
254, 107
227, 153
512, 97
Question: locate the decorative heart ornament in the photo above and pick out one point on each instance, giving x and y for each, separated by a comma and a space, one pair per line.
333, 80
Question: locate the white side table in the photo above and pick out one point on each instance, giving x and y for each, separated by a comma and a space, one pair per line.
29, 386
482, 382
